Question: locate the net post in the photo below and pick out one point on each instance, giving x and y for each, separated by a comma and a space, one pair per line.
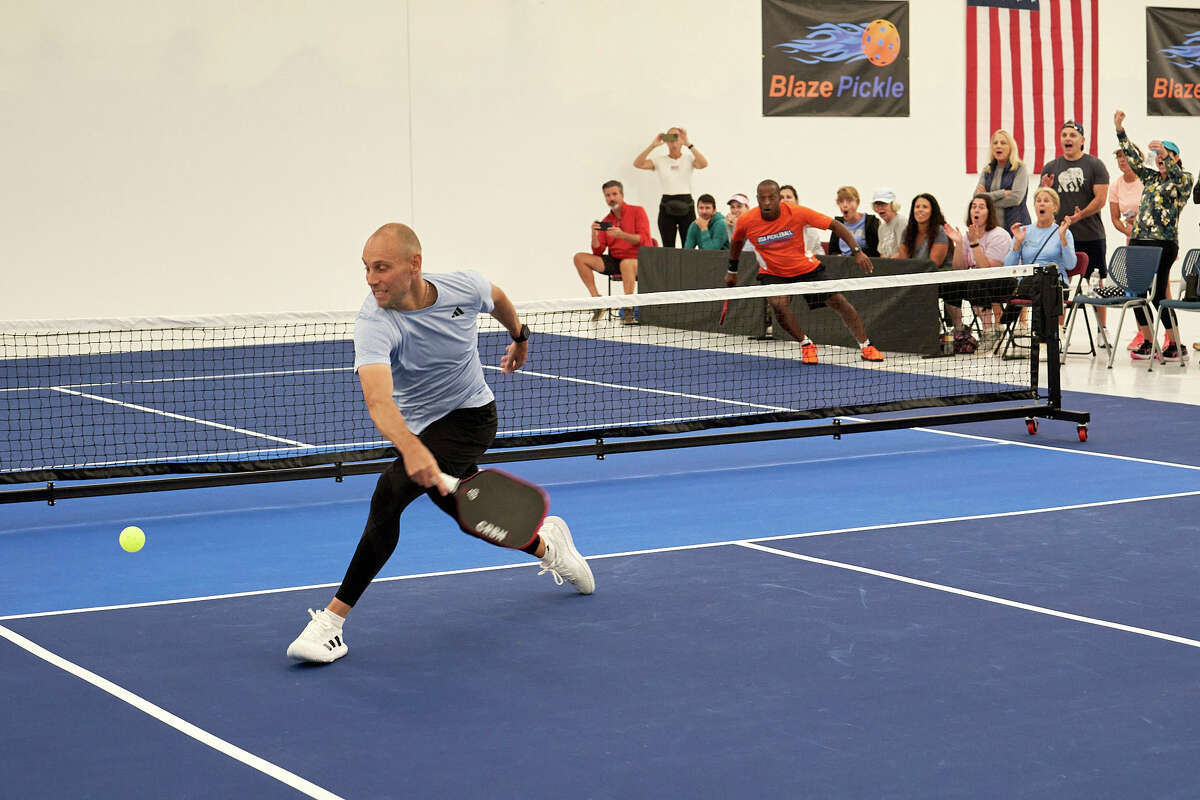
49, 493
1051, 307
338, 477
837, 428
599, 449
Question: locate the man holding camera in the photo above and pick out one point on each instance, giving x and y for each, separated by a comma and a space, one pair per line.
625, 228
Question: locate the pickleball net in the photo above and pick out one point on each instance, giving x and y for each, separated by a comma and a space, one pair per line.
146, 396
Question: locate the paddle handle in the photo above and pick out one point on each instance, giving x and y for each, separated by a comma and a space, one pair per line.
450, 483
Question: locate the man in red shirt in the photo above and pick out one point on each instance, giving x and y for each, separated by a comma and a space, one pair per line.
621, 232
776, 230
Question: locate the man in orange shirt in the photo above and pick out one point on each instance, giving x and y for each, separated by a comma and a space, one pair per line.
776, 229
621, 232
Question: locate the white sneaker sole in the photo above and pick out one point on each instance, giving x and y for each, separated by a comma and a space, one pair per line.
307, 651
584, 582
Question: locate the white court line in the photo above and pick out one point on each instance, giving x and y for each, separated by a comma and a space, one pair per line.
645, 389
162, 413
179, 379
167, 718
646, 551
1050, 612
1035, 446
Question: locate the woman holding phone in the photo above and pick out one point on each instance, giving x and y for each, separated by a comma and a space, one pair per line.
676, 210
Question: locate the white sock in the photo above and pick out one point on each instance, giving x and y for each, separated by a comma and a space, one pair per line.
333, 619
805, 341
867, 343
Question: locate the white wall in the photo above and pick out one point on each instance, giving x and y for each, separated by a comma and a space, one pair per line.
176, 158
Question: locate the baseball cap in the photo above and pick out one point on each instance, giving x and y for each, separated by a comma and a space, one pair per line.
1073, 125
739, 198
1174, 148
884, 195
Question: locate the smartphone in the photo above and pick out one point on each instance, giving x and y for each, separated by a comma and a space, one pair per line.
604, 225
670, 137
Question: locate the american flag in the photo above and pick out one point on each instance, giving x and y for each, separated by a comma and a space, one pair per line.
1031, 65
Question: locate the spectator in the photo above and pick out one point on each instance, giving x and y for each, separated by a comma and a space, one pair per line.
1006, 181
622, 231
1157, 225
674, 169
925, 235
1081, 183
1042, 241
738, 205
892, 222
708, 232
1124, 195
812, 236
864, 227
984, 244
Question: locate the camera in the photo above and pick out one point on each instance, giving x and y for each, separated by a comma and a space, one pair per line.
604, 225
670, 137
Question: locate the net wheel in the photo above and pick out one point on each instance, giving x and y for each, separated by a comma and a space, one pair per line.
1031, 426
1082, 431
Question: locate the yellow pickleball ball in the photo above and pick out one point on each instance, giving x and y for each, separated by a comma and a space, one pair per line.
132, 539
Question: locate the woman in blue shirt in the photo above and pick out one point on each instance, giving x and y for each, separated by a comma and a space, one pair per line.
1043, 241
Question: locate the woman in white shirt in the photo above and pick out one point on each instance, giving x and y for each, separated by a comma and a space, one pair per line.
676, 210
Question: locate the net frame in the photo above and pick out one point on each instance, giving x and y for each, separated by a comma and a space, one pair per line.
209, 323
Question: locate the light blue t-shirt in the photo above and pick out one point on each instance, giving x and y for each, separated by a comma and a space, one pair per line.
1041, 245
433, 352
858, 230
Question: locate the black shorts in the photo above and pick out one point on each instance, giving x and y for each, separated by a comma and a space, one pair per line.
612, 266
816, 300
1095, 249
458, 439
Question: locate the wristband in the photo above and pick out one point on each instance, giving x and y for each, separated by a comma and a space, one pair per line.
523, 336
690, 146
975, 245
733, 265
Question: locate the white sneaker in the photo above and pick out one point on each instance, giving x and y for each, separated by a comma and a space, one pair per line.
562, 560
320, 641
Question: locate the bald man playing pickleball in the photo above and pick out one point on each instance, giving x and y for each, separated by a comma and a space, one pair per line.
417, 358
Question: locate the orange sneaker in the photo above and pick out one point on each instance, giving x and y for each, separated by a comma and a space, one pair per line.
871, 353
808, 353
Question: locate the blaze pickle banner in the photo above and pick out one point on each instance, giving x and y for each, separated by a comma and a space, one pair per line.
831, 58
1172, 62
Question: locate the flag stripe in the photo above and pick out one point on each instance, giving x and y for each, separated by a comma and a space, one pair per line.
1039, 111
1028, 72
1018, 96
972, 105
996, 86
1077, 71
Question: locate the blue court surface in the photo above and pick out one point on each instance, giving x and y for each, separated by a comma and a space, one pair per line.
956, 612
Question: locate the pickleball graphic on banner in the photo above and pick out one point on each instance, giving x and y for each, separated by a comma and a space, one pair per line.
835, 59
1172, 62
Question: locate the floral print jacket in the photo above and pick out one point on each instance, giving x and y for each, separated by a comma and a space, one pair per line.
1163, 198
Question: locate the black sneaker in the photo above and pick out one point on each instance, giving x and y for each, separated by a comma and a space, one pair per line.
1142, 352
1173, 352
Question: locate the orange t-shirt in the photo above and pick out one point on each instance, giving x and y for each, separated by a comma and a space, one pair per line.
779, 243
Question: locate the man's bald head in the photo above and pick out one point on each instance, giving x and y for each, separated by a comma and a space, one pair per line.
400, 236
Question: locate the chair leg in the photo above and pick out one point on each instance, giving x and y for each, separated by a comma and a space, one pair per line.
1156, 349
1112, 351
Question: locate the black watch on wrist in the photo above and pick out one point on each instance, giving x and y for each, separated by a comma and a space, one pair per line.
690, 146
733, 265
523, 336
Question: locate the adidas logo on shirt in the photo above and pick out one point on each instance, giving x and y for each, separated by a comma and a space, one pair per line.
458, 312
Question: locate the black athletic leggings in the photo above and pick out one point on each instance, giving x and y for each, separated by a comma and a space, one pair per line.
1169, 251
669, 223
457, 440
